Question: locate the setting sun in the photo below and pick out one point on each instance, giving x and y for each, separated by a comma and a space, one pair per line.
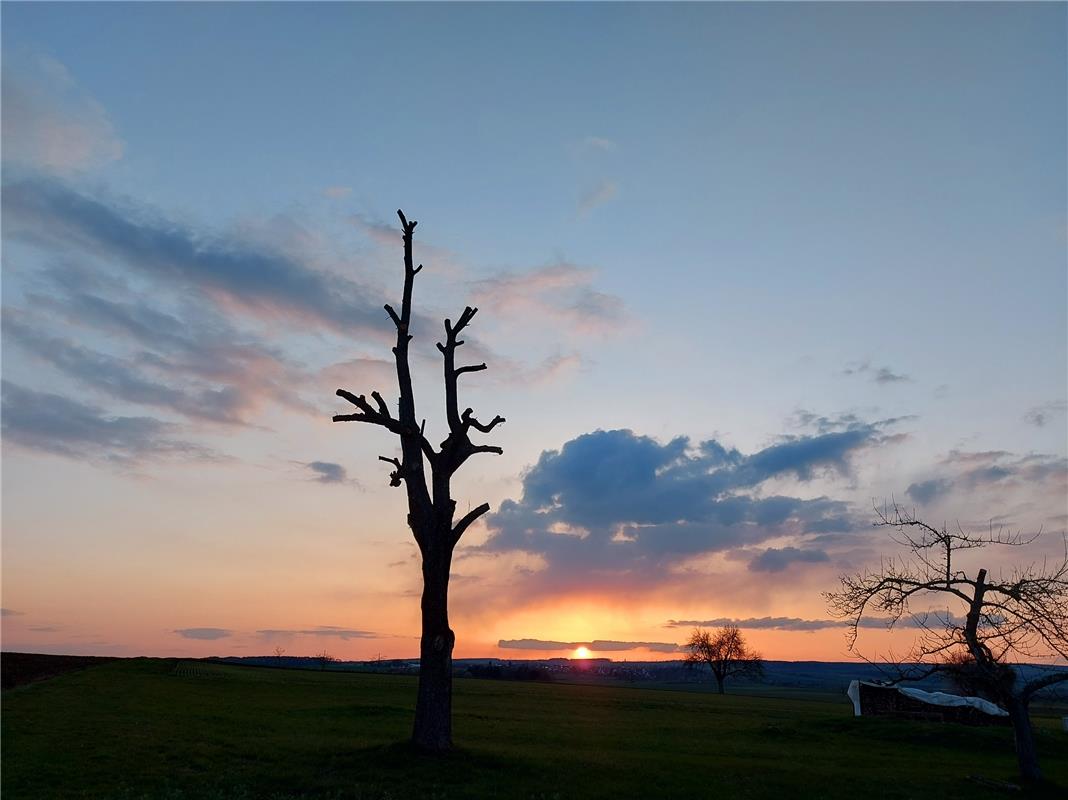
582, 652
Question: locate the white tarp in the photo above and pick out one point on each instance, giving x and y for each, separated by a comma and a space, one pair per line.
943, 699
854, 694
934, 698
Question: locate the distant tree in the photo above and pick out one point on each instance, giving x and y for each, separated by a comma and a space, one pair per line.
325, 659
279, 651
431, 509
987, 625
725, 652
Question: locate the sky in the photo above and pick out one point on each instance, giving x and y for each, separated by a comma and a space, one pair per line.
743, 271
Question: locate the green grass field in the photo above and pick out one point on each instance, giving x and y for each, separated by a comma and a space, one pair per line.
148, 728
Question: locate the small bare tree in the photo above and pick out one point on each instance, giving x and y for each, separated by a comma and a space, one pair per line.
430, 508
988, 626
725, 652
325, 659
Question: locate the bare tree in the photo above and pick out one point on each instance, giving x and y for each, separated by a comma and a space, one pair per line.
430, 509
987, 627
325, 659
279, 651
726, 654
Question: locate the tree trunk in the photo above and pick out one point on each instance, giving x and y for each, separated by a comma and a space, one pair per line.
719, 684
1026, 755
433, 708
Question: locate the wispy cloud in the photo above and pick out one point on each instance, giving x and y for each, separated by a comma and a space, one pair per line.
967, 471
49, 122
10, 612
880, 375
58, 425
328, 631
208, 634
601, 143
806, 625
337, 192
235, 274
1042, 415
598, 195
554, 295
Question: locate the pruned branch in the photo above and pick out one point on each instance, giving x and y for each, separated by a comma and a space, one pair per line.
471, 368
382, 407
465, 521
468, 419
395, 476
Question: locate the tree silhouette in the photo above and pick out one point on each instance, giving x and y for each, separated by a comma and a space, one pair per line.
324, 659
430, 509
725, 652
1020, 615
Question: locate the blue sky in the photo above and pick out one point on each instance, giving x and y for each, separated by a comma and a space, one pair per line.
754, 225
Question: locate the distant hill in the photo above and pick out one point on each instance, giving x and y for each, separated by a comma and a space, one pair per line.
826, 677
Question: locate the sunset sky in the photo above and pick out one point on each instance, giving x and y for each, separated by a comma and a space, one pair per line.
741, 270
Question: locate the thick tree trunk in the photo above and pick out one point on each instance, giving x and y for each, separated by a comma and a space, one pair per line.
1026, 755
433, 708
719, 684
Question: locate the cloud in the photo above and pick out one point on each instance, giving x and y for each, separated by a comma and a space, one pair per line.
328, 472
44, 629
232, 273
758, 623
886, 375
58, 425
880, 375
554, 295
924, 492
809, 625
616, 506
598, 195
323, 630
49, 122
337, 192
597, 645
126, 380
208, 634
179, 357
601, 143
971, 471
1042, 415
778, 559
992, 474
376, 372
10, 612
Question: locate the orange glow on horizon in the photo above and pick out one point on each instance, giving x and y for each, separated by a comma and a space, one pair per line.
582, 652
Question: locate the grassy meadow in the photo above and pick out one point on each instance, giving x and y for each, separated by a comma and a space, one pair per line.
148, 728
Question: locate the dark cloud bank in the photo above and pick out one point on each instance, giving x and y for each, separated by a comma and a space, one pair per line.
616, 503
